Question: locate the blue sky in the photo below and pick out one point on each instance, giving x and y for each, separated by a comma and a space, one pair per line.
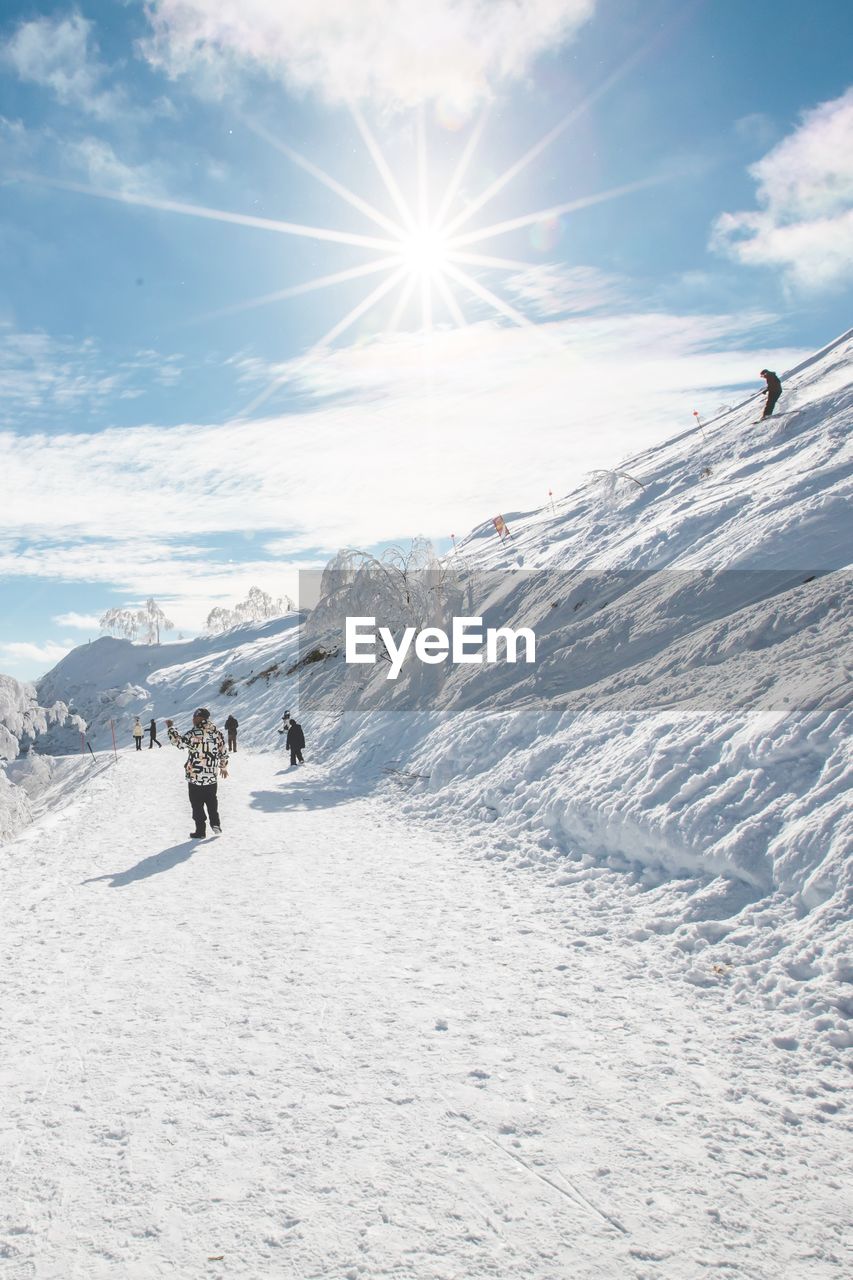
163, 439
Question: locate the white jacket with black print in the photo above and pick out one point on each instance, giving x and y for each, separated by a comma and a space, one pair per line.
207, 751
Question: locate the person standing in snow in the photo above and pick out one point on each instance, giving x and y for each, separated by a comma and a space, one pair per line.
773, 392
294, 742
152, 735
137, 732
231, 727
208, 757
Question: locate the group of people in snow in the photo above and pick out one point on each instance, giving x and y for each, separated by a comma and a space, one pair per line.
138, 734
207, 760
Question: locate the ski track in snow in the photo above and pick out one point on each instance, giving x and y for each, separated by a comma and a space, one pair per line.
334, 1043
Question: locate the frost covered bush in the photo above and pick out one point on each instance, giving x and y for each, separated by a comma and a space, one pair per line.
402, 587
257, 607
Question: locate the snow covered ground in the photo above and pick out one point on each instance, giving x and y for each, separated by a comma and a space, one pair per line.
331, 1044
529, 972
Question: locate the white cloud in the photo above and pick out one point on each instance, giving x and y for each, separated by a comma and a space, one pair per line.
22, 651
79, 621
804, 223
56, 54
394, 52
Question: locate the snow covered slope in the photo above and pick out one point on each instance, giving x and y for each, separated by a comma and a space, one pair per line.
117, 680
688, 717
735, 494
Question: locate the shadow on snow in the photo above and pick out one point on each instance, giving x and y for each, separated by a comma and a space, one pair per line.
303, 794
163, 861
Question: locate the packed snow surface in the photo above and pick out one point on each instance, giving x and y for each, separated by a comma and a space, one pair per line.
332, 1043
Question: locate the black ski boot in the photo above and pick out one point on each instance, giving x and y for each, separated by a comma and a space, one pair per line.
198, 835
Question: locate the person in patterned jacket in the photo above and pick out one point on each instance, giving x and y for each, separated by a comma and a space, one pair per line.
207, 759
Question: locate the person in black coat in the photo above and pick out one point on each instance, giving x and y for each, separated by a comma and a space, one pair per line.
152, 735
231, 726
774, 391
294, 742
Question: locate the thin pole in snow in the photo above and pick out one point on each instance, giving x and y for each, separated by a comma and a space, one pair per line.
453, 540
551, 500
82, 743
699, 423
115, 748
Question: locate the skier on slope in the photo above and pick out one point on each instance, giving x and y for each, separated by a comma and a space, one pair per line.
137, 732
773, 392
207, 754
231, 727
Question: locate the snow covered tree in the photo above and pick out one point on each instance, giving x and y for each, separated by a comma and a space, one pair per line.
257, 607
219, 620
120, 622
403, 587
133, 623
151, 620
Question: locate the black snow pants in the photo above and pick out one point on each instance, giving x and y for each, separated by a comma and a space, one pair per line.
201, 794
770, 403
232, 740
152, 740
295, 756
138, 742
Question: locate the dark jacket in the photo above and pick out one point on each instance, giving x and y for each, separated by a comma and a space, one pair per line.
152, 728
774, 386
231, 724
295, 737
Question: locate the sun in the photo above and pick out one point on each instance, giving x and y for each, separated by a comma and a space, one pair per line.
425, 252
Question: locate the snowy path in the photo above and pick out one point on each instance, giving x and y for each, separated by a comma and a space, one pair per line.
329, 1046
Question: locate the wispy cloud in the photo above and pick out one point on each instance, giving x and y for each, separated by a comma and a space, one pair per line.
554, 290
392, 52
804, 223
59, 54
41, 374
97, 160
